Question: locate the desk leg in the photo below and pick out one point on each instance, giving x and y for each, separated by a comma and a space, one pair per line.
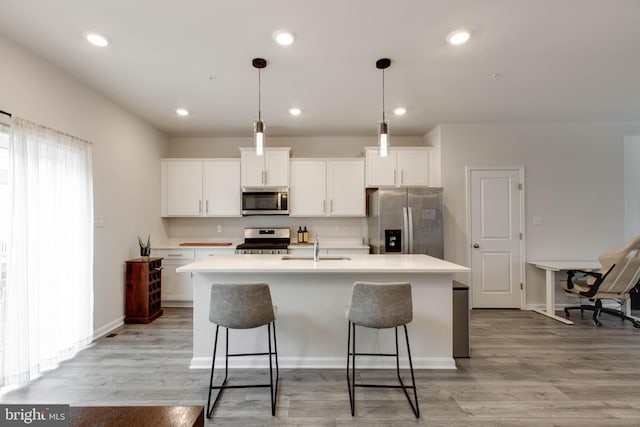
551, 299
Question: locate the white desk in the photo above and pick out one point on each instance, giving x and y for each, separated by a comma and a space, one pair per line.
551, 267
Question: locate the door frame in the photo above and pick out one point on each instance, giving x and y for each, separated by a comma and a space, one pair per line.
521, 262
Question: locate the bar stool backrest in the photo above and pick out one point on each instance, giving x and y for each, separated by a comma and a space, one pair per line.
380, 305
241, 305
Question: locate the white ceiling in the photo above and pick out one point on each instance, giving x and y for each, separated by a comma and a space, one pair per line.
561, 61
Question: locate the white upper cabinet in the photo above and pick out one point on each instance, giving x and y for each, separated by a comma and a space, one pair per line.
403, 167
307, 193
345, 188
269, 170
327, 187
221, 191
181, 184
198, 187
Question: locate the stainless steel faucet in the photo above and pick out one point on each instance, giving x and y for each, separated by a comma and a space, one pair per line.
316, 249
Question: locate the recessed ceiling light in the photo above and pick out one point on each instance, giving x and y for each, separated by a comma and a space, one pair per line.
284, 37
458, 37
97, 39
295, 111
399, 111
182, 112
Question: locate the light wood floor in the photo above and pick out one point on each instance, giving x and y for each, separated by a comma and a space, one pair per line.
525, 370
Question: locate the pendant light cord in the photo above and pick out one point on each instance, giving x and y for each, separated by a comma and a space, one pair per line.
383, 119
259, 116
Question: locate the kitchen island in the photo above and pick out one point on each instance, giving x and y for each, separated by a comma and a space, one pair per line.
311, 299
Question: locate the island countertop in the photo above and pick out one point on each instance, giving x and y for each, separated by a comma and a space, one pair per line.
327, 264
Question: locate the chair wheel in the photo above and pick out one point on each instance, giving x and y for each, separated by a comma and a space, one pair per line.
636, 325
597, 323
566, 312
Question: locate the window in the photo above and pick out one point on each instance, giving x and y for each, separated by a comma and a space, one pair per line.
4, 203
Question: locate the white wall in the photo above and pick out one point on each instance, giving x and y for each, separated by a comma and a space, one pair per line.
631, 187
126, 161
573, 179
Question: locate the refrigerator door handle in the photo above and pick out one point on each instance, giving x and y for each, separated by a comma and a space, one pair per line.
405, 231
410, 236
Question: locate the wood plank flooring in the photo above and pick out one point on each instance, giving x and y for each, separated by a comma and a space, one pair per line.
525, 370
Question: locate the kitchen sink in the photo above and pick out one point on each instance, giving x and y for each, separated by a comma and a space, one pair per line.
322, 258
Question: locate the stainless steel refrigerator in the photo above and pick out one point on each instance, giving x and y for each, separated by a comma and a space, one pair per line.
406, 221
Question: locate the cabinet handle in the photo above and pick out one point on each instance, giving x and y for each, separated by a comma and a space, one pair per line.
265, 177
402, 177
175, 255
199, 206
207, 206
324, 206
394, 177
331, 210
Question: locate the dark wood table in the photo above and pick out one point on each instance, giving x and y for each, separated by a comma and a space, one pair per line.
139, 416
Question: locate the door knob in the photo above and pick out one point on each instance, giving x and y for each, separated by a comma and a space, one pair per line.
476, 246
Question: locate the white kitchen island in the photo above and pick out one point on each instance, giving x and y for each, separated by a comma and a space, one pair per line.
311, 298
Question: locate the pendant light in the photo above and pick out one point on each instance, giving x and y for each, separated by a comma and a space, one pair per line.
383, 126
258, 126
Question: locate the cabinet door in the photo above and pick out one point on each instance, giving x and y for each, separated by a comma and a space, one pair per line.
222, 187
413, 167
345, 188
307, 191
182, 188
277, 167
176, 287
252, 168
381, 171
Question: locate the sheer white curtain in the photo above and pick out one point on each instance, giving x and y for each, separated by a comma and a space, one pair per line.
46, 313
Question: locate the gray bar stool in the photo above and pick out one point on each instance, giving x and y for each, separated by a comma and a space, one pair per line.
380, 306
242, 306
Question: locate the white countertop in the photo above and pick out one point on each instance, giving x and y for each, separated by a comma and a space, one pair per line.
354, 264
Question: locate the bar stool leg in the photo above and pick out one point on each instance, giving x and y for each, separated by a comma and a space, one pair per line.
275, 347
213, 363
416, 409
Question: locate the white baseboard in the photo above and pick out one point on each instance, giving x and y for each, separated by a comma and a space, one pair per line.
176, 303
104, 330
325, 363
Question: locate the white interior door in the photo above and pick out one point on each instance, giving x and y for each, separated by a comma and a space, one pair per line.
496, 241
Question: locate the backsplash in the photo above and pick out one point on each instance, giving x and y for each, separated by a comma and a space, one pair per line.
232, 228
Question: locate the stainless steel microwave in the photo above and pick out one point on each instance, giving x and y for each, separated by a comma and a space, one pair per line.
265, 201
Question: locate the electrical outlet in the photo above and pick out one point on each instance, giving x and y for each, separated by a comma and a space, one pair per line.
537, 220
219, 229
98, 221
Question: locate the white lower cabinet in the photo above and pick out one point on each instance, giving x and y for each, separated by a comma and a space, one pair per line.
177, 288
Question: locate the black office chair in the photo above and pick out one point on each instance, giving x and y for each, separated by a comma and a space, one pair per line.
619, 275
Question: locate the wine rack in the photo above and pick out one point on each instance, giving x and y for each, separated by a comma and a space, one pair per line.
143, 290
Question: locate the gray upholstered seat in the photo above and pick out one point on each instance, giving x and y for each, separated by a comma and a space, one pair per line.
242, 306
380, 305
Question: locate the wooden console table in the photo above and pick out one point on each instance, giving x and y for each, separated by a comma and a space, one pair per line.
139, 416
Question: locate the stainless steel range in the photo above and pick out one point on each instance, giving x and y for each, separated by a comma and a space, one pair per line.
265, 241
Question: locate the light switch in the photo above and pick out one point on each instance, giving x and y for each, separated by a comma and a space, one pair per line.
98, 221
537, 220
219, 229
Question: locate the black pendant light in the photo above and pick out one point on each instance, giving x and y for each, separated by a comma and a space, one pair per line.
258, 126
383, 126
